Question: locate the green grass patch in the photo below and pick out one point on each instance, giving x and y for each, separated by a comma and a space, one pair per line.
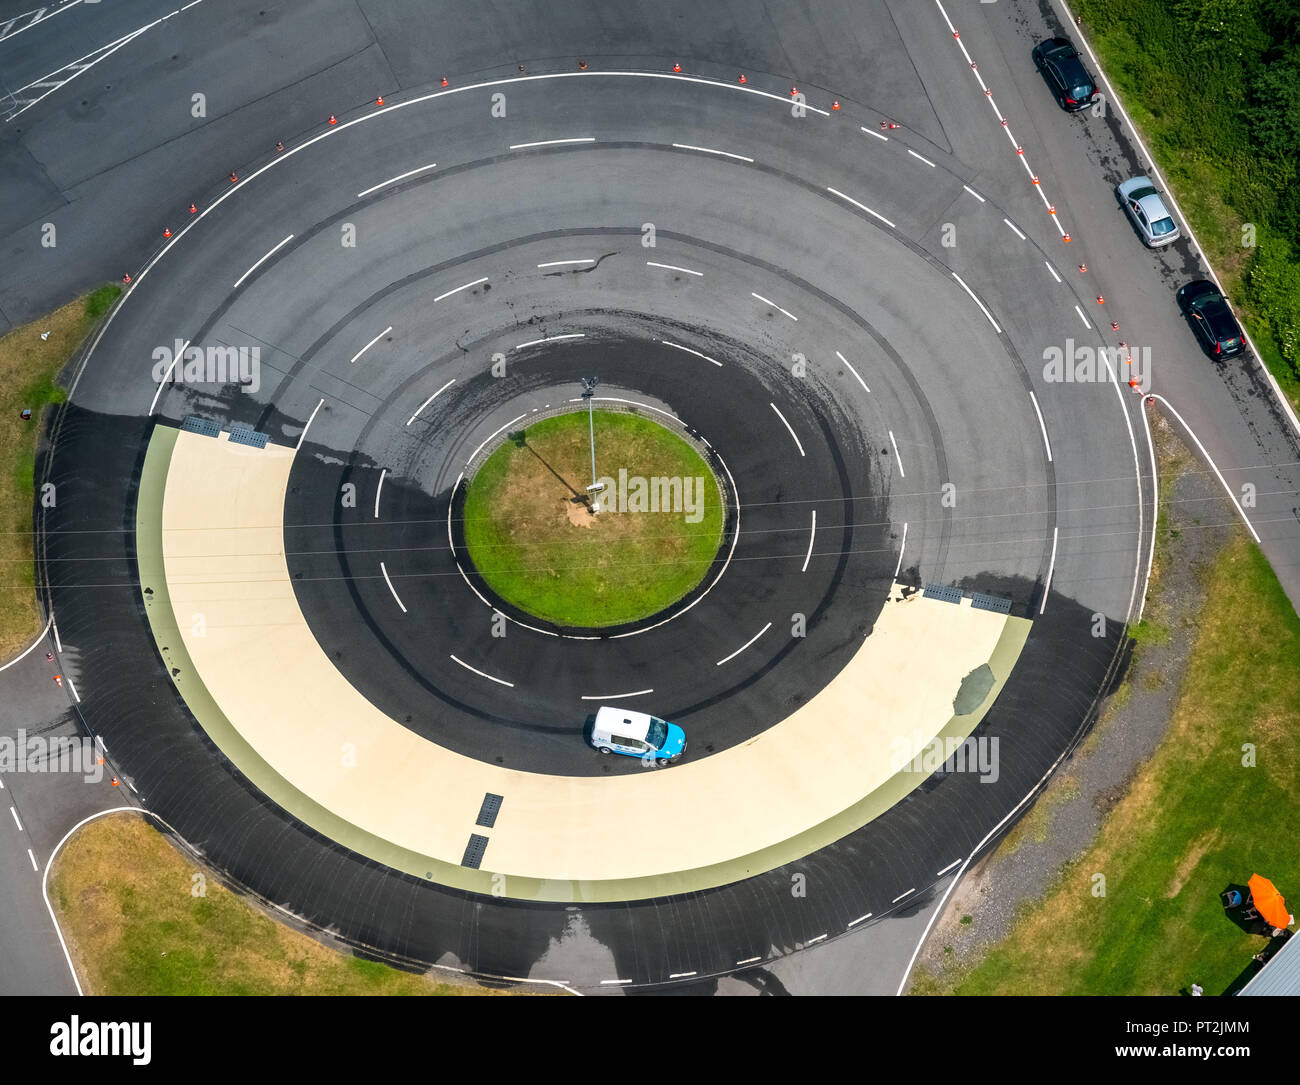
1196, 820
142, 919
534, 540
29, 368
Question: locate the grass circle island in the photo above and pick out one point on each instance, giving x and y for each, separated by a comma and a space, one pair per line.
551, 548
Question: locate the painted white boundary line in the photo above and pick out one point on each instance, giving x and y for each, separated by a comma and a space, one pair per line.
674, 267
678, 346
897, 457
370, 344
482, 674
1041, 425
383, 569
901, 547
861, 207
158, 391
552, 142
31, 647
460, 288
769, 301
1215, 467
303, 435
1051, 565
380, 489
616, 696
853, 371
262, 261
962, 283
430, 400
747, 643
811, 536
798, 443
394, 180
710, 150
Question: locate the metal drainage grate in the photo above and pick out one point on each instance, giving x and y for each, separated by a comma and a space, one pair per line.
205, 426
944, 592
994, 603
241, 433
474, 851
487, 814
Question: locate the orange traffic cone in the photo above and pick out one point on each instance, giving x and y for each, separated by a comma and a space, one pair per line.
444, 80
379, 100
167, 231
333, 119
677, 67
835, 105
193, 209
1101, 299
127, 277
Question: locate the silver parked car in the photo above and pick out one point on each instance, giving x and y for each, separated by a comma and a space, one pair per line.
1148, 211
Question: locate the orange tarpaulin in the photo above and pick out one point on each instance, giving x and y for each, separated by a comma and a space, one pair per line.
1268, 901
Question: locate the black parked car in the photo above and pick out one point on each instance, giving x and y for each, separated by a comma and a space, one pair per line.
1059, 62
1208, 313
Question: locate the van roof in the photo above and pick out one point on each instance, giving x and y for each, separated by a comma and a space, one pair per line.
623, 721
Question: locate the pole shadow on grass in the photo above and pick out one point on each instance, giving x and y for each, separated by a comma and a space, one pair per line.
520, 440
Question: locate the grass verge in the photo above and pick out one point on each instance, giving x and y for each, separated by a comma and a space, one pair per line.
1196, 819
126, 902
29, 367
533, 540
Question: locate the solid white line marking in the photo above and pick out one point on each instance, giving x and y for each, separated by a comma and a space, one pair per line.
303, 435
860, 918
941, 873
876, 134
1015, 228
490, 678
158, 391
604, 983
814, 941
853, 371
394, 180
58, 644
1047, 587
1082, 317
383, 569
901, 472
262, 261
1043, 426
710, 150
902, 895
33, 646
678, 346
552, 142
923, 159
480, 449
33, 859
1192, 433
974, 193
749, 960
370, 344
681, 975
901, 547
72, 686
1053, 271
617, 696
861, 207
977, 301
460, 288
550, 339
747, 643
674, 267
566, 263
16, 821
768, 301
798, 443
811, 535
430, 400
379, 489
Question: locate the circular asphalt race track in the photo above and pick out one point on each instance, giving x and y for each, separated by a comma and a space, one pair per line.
423, 276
